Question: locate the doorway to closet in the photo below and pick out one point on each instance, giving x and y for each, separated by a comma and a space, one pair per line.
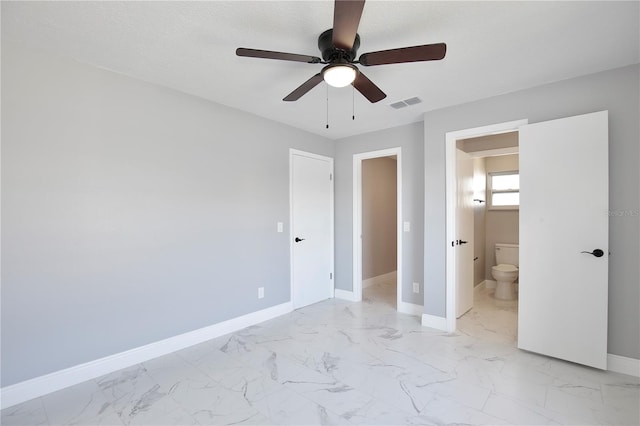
377, 232
379, 229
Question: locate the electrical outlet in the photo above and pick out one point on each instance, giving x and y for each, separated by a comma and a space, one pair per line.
406, 226
260, 292
416, 287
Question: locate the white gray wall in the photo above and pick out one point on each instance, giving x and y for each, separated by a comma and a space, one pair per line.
379, 216
131, 212
411, 139
617, 91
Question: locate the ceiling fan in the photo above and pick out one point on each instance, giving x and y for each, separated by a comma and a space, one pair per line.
339, 46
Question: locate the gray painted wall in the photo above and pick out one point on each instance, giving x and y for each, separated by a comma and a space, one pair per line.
411, 139
617, 91
130, 212
379, 217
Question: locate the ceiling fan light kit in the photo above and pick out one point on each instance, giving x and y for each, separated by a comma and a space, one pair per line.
339, 75
339, 46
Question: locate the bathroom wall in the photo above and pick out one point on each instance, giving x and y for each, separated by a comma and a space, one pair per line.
379, 216
501, 226
479, 220
483, 143
483, 250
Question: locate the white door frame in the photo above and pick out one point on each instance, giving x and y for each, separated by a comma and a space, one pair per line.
451, 179
293, 152
357, 219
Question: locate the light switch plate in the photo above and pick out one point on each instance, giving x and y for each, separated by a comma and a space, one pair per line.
280, 227
416, 287
260, 292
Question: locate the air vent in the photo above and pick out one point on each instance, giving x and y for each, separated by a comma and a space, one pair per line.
399, 105
413, 101
406, 103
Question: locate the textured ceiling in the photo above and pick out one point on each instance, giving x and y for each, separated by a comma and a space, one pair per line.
493, 48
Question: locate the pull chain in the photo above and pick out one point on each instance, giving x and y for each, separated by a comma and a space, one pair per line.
327, 105
353, 102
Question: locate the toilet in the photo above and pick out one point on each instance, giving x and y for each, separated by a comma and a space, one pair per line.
506, 270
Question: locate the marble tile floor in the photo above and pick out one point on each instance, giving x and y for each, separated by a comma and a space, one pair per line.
339, 362
491, 319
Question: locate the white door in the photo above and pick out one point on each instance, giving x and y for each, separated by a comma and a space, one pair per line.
311, 228
564, 184
464, 233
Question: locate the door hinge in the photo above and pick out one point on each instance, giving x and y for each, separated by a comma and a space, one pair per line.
330, 176
330, 275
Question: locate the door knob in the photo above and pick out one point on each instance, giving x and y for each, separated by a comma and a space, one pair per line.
297, 240
596, 252
462, 242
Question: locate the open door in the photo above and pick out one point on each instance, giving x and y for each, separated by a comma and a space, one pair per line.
564, 183
464, 231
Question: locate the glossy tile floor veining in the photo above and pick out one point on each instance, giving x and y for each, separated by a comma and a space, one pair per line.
338, 362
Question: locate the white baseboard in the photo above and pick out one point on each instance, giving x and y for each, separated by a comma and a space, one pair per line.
33, 388
410, 308
481, 286
345, 295
490, 283
623, 364
379, 279
433, 321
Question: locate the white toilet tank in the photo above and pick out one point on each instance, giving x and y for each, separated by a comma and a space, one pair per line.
507, 254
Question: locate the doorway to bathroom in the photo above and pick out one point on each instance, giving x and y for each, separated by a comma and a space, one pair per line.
466, 180
488, 192
563, 234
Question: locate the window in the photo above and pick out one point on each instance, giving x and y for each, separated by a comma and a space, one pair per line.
504, 190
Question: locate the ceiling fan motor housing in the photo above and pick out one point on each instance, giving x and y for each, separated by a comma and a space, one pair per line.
332, 54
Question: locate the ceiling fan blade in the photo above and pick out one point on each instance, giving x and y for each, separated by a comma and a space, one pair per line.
268, 54
346, 18
427, 52
368, 89
304, 88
